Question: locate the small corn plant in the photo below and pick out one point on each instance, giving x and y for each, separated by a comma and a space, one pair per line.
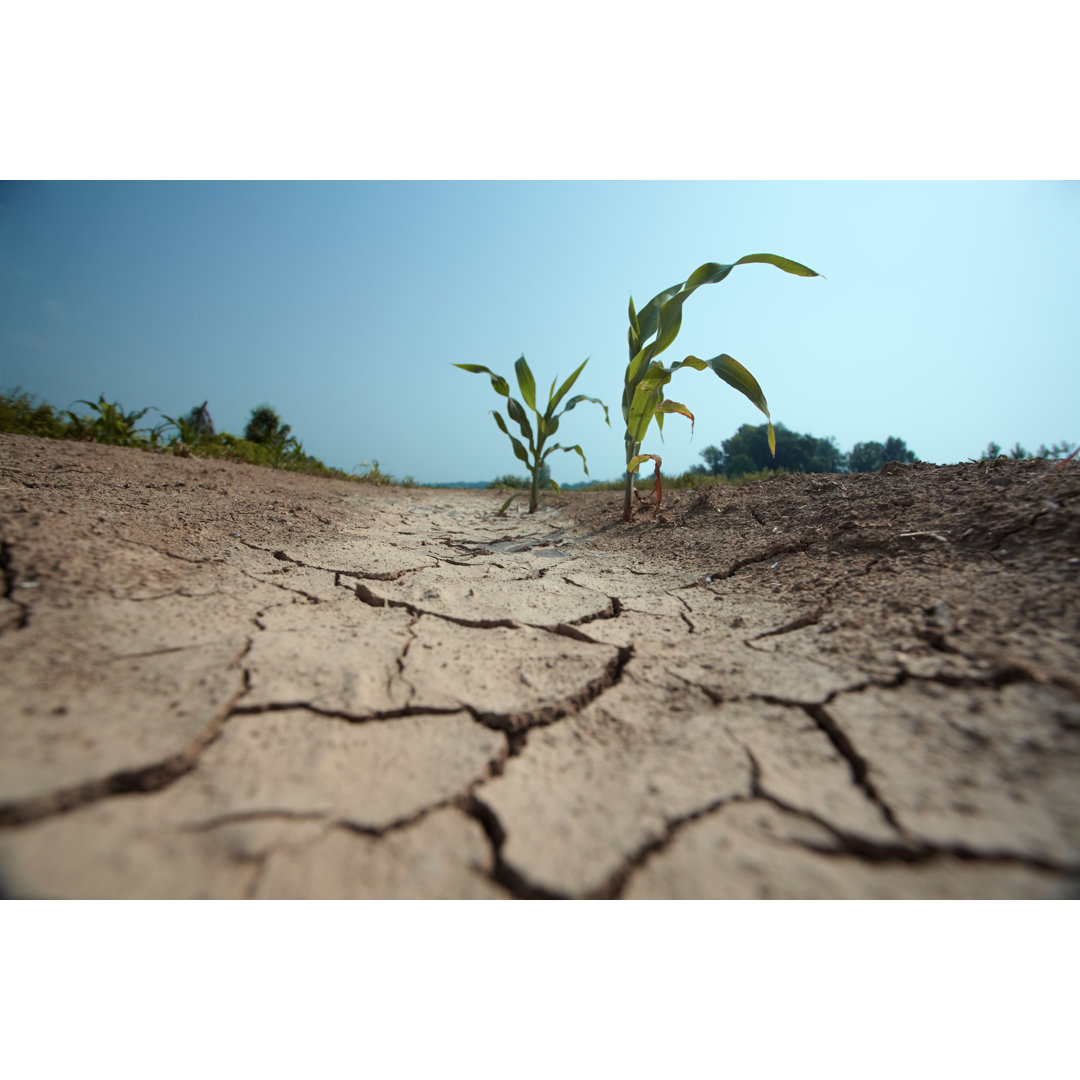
651, 331
110, 424
546, 423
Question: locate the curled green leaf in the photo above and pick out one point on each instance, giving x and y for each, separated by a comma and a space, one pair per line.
526, 382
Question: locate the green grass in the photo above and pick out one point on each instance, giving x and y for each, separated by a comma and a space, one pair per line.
108, 423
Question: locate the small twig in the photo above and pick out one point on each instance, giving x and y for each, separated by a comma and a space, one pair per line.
936, 536
1062, 462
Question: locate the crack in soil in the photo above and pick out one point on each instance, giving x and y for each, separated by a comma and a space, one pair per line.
364, 594
543, 715
9, 577
378, 717
771, 552
202, 560
141, 780
240, 817
810, 618
502, 872
615, 885
913, 545
285, 588
860, 769
613, 610
368, 575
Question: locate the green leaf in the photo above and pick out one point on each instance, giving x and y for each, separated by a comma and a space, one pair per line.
634, 370
526, 382
649, 313
788, 265
518, 414
553, 402
566, 450
706, 274
656, 376
578, 398
642, 410
633, 335
519, 451
503, 508
668, 323
500, 385
734, 374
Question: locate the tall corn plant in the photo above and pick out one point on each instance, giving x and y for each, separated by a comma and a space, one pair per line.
651, 331
546, 423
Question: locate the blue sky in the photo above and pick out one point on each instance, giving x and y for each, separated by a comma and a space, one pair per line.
948, 315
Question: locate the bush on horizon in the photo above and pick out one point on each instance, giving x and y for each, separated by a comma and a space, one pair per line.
107, 423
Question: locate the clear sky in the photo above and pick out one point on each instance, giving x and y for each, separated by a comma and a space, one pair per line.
948, 315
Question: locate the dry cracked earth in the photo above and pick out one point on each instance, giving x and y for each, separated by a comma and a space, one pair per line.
225, 682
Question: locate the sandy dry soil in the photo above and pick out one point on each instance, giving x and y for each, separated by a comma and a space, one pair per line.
223, 681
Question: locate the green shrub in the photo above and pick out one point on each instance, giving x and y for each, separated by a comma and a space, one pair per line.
19, 415
109, 424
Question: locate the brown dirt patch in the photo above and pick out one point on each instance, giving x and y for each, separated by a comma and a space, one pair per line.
225, 681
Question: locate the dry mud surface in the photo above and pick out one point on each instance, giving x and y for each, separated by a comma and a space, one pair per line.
223, 681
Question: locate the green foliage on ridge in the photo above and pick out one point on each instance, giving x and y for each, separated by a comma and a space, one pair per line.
193, 435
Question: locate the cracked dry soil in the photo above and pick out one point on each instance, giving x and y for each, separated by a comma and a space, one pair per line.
223, 681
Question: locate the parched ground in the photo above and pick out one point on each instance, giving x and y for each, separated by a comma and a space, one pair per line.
224, 681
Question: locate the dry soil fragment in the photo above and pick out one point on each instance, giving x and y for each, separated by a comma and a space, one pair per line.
790, 667
64, 724
365, 552
754, 851
491, 593
988, 770
514, 678
586, 794
801, 768
372, 775
337, 658
444, 856
118, 849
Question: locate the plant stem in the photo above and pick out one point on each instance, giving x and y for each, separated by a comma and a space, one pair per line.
631, 451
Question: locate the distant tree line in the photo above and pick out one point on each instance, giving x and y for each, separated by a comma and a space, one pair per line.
1055, 452
747, 451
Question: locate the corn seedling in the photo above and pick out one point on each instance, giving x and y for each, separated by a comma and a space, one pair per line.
651, 331
188, 433
546, 423
110, 424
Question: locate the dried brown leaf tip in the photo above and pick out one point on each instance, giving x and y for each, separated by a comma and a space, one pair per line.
648, 504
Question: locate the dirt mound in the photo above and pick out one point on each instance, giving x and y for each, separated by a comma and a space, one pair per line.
226, 681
